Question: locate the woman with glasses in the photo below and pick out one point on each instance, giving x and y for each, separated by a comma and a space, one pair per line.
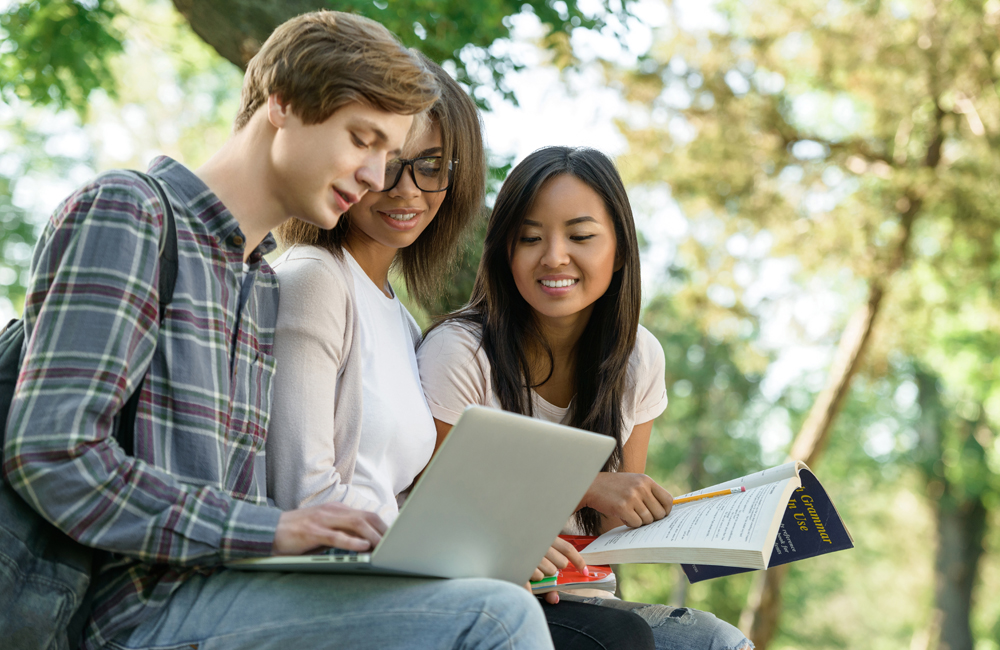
349, 421
345, 343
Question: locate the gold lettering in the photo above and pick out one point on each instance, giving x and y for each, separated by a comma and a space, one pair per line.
808, 500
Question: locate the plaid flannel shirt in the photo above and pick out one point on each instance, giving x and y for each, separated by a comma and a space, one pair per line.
193, 496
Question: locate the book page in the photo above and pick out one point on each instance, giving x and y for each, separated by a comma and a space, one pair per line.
739, 521
769, 475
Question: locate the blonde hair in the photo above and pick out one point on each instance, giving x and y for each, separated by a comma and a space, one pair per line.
321, 61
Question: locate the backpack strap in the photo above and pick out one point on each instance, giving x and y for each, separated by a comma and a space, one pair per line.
125, 431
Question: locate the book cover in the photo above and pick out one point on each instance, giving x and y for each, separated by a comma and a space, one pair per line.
809, 527
568, 579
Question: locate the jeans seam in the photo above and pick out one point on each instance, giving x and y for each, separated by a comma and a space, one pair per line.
502, 627
579, 631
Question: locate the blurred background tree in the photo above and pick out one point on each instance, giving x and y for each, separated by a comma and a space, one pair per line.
862, 137
814, 182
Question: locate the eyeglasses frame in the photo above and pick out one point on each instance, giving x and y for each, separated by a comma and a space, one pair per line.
408, 162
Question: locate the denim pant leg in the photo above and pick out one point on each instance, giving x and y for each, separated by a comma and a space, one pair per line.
232, 610
680, 628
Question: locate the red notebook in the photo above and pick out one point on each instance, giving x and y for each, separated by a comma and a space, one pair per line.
568, 579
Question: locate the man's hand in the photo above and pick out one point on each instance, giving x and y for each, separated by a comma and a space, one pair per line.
559, 556
635, 499
330, 524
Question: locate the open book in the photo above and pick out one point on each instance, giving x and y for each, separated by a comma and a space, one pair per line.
784, 515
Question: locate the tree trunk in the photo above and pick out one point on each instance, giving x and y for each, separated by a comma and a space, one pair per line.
960, 516
811, 440
759, 619
961, 529
237, 28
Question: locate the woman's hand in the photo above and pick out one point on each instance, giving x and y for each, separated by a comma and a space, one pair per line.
635, 499
330, 524
559, 556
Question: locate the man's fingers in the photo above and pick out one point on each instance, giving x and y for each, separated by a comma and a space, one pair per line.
332, 524
359, 523
340, 539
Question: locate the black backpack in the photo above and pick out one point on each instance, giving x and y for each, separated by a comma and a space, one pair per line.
44, 574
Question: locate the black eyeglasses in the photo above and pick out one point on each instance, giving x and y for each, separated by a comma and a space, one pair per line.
429, 173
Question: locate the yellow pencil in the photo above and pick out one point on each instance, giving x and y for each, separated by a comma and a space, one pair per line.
719, 493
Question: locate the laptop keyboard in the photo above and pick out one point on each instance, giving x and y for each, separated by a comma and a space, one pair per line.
341, 555
339, 551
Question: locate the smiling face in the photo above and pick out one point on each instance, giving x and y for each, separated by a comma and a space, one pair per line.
564, 255
395, 219
321, 170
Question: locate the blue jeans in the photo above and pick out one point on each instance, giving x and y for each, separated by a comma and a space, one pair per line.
678, 628
235, 609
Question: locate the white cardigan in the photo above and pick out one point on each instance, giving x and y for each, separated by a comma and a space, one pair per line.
312, 442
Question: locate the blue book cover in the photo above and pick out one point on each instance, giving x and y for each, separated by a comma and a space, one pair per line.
809, 527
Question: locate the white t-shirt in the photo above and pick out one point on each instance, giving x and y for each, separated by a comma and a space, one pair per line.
397, 431
455, 373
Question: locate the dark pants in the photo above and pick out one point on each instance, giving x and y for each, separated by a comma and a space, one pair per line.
580, 626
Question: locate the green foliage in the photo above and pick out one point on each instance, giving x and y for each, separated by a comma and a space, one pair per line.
25, 158
463, 32
58, 51
706, 435
860, 136
15, 247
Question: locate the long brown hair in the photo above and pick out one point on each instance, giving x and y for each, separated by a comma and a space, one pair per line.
426, 263
508, 324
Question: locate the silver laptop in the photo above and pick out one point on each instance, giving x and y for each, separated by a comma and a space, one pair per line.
488, 505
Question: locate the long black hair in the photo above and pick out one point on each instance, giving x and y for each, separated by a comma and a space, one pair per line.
508, 324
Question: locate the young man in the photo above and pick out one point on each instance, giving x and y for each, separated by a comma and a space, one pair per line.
328, 99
